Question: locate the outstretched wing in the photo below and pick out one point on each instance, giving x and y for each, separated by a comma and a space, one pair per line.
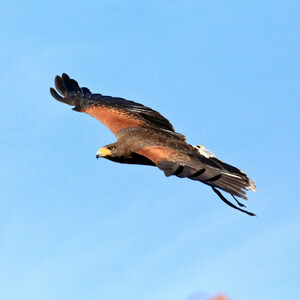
195, 166
115, 113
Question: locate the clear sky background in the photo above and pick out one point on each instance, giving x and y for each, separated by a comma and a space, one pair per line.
226, 73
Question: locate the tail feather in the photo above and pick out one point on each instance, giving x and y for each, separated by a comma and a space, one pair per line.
232, 174
230, 187
236, 175
235, 183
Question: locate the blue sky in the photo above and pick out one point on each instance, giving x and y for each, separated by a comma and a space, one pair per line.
226, 73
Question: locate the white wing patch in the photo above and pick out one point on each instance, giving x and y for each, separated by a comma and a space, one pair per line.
204, 151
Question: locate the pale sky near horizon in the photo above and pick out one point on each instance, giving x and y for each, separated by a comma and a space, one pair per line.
225, 73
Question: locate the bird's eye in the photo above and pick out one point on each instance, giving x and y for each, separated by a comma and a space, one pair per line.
111, 147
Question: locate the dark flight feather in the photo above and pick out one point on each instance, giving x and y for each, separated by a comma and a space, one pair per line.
82, 98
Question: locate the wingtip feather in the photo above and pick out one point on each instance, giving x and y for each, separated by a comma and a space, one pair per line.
59, 85
65, 76
55, 95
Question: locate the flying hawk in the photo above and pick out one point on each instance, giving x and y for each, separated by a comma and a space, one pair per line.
145, 137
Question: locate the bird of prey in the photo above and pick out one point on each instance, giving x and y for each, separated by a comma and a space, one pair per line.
145, 137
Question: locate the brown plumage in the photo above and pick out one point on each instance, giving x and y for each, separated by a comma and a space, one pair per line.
145, 137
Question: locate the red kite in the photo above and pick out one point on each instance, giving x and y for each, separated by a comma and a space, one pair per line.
145, 137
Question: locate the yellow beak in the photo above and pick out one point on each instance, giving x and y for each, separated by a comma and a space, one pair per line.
103, 152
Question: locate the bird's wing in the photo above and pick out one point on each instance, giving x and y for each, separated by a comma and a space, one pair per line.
196, 166
115, 113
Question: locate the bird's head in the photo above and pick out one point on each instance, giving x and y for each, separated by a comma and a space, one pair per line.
108, 151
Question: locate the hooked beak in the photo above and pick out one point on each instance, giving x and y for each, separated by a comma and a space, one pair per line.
103, 152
